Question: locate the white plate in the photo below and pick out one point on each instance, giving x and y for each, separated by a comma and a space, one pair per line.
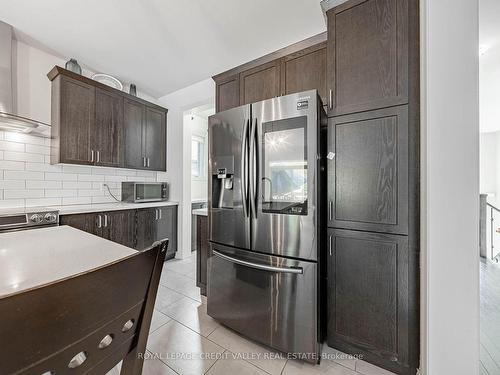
108, 80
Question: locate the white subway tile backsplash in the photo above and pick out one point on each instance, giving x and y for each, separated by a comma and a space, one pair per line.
61, 176
22, 175
43, 202
12, 165
60, 193
76, 185
23, 156
12, 184
76, 200
23, 193
24, 138
86, 177
12, 203
37, 149
11, 146
78, 169
43, 167
43, 184
27, 178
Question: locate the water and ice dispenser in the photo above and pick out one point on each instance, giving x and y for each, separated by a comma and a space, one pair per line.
223, 182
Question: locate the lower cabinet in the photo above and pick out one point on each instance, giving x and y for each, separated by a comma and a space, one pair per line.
202, 253
137, 229
371, 298
155, 224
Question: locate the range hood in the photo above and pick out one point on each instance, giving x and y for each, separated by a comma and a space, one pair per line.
10, 120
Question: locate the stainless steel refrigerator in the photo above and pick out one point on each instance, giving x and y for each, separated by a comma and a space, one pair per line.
264, 221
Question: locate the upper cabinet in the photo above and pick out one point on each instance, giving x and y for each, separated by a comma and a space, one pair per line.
260, 83
93, 124
367, 55
299, 67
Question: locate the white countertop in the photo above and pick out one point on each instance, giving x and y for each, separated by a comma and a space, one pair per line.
36, 257
200, 212
199, 200
84, 208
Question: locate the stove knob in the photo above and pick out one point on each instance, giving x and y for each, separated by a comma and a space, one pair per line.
36, 218
50, 218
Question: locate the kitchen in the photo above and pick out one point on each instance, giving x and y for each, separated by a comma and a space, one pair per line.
306, 256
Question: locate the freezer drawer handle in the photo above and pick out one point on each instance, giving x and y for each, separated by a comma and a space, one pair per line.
258, 266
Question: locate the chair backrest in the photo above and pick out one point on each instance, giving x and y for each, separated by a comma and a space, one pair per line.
84, 324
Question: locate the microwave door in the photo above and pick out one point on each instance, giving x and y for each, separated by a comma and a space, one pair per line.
229, 221
283, 172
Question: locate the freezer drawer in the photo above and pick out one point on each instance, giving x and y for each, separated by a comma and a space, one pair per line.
272, 300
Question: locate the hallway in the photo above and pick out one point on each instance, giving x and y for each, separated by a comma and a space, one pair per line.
490, 318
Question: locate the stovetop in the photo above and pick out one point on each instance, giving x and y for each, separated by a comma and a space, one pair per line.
27, 218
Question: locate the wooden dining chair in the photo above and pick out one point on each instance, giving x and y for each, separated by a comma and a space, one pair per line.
85, 324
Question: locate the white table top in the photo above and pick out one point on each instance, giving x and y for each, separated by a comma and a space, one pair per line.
36, 257
87, 208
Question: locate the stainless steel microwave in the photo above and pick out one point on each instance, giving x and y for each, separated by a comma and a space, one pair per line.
138, 192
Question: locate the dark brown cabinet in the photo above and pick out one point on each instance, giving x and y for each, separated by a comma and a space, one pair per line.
137, 229
260, 83
203, 248
154, 224
107, 133
367, 55
369, 294
228, 93
296, 68
94, 124
72, 121
305, 70
368, 171
155, 139
116, 226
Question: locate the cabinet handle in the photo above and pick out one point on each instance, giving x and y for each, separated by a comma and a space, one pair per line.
159, 212
330, 244
143, 161
105, 220
330, 210
330, 99
91, 156
156, 214
147, 162
99, 221
98, 156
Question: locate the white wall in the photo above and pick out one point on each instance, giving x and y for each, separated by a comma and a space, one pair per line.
199, 128
179, 141
450, 187
489, 160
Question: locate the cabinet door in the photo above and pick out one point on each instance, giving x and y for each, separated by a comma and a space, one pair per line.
367, 55
120, 227
167, 227
155, 139
76, 119
260, 83
85, 222
228, 93
369, 295
146, 230
305, 70
107, 133
134, 116
368, 171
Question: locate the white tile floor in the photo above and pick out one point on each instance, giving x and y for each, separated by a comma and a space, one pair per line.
184, 340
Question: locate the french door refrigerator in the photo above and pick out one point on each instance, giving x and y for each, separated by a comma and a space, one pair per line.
264, 221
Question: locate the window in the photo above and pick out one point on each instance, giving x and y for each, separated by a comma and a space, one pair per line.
197, 157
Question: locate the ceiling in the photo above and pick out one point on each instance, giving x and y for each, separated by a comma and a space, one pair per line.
163, 45
489, 65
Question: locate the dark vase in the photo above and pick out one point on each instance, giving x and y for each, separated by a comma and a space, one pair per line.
132, 90
72, 65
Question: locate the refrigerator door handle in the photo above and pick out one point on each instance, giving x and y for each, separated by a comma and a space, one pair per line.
253, 169
244, 168
258, 266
